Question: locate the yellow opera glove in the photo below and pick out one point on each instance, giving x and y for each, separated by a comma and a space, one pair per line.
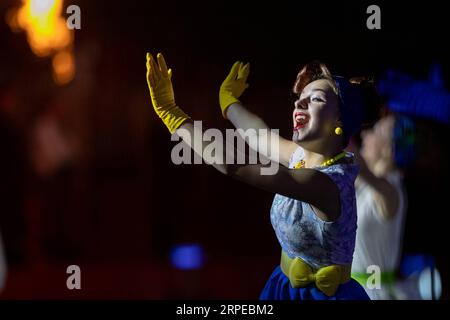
161, 92
233, 86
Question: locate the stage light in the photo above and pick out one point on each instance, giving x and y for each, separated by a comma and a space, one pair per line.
63, 67
47, 34
429, 282
187, 256
423, 268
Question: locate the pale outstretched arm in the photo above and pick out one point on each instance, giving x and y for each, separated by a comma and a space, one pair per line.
311, 186
252, 126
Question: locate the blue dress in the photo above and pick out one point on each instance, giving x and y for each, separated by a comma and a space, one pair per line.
319, 243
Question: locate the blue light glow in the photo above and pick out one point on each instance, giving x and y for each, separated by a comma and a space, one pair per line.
188, 256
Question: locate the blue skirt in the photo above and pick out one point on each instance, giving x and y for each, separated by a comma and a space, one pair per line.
278, 287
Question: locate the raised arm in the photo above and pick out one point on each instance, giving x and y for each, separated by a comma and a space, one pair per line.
307, 185
232, 109
311, 186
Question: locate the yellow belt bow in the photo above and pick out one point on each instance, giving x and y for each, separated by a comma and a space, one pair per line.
327, 279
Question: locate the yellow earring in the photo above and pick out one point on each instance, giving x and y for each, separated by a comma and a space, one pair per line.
338, 131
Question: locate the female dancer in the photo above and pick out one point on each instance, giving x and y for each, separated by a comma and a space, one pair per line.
386, 149
314, 210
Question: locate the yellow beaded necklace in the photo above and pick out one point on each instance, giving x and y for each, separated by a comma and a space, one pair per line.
326, 163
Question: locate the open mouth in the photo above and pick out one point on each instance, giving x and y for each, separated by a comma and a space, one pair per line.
301, 119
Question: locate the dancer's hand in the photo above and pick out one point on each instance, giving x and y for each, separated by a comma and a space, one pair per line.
162, 95
233, 86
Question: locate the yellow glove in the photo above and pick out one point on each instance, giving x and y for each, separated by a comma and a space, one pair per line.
161, 92
233, 86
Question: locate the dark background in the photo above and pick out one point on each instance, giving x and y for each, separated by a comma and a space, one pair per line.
117, 204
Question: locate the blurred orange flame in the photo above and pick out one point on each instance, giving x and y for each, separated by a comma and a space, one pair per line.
63, 67
47, 34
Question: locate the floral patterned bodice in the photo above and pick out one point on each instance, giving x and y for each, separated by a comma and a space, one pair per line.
302, 234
